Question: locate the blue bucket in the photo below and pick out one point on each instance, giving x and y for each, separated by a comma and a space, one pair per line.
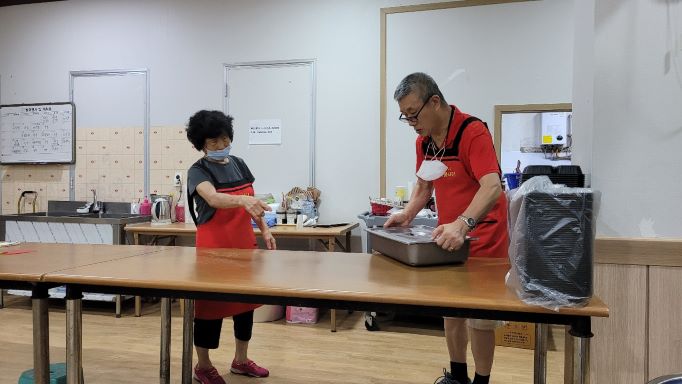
513, 180
57, 375
670, 379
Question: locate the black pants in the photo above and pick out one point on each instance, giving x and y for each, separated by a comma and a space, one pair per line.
207, 332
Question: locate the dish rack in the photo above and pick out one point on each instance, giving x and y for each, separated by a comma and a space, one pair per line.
381, 206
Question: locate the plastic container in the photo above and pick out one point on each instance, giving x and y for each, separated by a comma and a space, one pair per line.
513, 180
57, 375
291, 217
146, 207
568, 170
281, 216
380, 209
536, 170
180, 212
267, 313
569, 175
302, 315
669, 379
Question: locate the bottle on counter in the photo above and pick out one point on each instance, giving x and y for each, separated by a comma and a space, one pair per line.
146, 207
180, 212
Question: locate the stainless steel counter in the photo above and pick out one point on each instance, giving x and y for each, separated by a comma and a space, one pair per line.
85, 218
59, 221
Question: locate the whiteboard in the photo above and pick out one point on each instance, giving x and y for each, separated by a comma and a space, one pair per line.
37, 133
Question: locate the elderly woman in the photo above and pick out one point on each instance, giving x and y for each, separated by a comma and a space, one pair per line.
220, 185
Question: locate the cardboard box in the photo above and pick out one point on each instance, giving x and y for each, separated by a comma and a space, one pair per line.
516, 335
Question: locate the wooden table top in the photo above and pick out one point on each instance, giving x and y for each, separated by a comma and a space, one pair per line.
359, 277
187, 229
33, 260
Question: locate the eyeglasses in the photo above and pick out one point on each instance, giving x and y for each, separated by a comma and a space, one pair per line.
413, 119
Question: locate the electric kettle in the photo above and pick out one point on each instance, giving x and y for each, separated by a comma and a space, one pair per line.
161, 211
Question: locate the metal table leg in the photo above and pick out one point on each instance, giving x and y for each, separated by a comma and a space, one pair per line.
164, 367
187, 341
581, 332
540, 354
74, 335
41, 335
581, 360
138, 306
2, 298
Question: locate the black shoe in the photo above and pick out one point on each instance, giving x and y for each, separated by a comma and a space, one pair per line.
448, 379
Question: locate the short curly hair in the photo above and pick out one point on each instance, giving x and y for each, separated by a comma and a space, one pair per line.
208, 125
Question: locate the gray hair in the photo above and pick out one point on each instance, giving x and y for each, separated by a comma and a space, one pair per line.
420, 83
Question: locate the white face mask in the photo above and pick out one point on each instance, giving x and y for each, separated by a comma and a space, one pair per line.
432, 169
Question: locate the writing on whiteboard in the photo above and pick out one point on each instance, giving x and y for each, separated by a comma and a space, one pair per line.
36, 133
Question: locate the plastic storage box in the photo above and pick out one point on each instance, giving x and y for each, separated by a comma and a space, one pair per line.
302, 315
569, 175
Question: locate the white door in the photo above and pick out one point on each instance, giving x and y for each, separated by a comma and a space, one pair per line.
111, 115
284, 94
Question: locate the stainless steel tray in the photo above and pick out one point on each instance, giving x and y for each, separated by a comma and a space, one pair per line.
413, 246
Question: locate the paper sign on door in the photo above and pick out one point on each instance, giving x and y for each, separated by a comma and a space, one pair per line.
265, 132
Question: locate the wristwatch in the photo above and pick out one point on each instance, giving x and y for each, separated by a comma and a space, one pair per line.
470, 222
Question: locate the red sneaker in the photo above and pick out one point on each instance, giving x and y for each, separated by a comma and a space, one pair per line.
249, 368
208, 376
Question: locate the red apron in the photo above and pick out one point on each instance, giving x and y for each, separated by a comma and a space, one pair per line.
456, 189
228, 228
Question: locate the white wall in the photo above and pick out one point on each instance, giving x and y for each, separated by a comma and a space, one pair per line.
583, 86
637, 136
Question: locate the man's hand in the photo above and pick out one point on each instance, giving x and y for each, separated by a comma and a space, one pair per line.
254, 207
450, 236
399, 219
269, 240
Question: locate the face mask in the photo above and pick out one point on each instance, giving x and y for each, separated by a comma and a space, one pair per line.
431, 170
220, 154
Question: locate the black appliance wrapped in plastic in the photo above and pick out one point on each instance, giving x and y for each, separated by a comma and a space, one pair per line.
551, 248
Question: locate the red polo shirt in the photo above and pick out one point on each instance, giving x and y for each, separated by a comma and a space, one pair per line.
468, 158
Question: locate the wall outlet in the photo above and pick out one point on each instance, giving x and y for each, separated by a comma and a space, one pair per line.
177, 179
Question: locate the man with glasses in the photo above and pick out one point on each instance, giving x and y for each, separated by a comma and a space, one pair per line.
456, 158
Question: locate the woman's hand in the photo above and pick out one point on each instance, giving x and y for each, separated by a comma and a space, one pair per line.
269, 240
254, 207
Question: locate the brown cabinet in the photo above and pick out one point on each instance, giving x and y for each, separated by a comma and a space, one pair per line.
642, 337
